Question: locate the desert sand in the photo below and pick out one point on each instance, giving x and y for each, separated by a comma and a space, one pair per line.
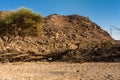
59, 71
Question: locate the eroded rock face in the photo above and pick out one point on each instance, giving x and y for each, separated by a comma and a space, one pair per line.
74, 29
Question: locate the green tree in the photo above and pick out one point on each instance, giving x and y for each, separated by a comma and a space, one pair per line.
22, 22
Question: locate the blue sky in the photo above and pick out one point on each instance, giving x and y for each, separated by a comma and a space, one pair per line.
105, 13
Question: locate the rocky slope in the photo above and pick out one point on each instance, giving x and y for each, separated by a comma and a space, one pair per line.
61, 34
74, 29
73, 32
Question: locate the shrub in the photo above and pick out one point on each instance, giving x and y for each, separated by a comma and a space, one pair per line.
106, 44
22, 22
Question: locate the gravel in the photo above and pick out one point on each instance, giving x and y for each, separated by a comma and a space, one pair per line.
59, 71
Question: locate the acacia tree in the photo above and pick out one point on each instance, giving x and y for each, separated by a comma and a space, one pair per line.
22, 22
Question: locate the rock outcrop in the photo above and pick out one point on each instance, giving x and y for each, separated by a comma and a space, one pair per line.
74, 30
61, 34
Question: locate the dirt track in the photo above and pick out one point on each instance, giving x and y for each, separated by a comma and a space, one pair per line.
59, 71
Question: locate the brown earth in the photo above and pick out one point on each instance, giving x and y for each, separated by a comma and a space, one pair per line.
59, 71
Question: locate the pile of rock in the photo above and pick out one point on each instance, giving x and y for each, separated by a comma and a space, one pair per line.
61, 33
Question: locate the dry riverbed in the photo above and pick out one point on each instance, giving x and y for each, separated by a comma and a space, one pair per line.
59, 71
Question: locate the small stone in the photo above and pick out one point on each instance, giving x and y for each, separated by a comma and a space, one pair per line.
77, 71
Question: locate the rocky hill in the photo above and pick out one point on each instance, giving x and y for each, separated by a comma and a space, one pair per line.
61, 34
74, 31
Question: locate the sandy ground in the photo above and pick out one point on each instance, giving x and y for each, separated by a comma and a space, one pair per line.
59, 71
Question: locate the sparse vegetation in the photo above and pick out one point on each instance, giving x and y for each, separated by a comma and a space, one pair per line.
106, 44
22, 22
